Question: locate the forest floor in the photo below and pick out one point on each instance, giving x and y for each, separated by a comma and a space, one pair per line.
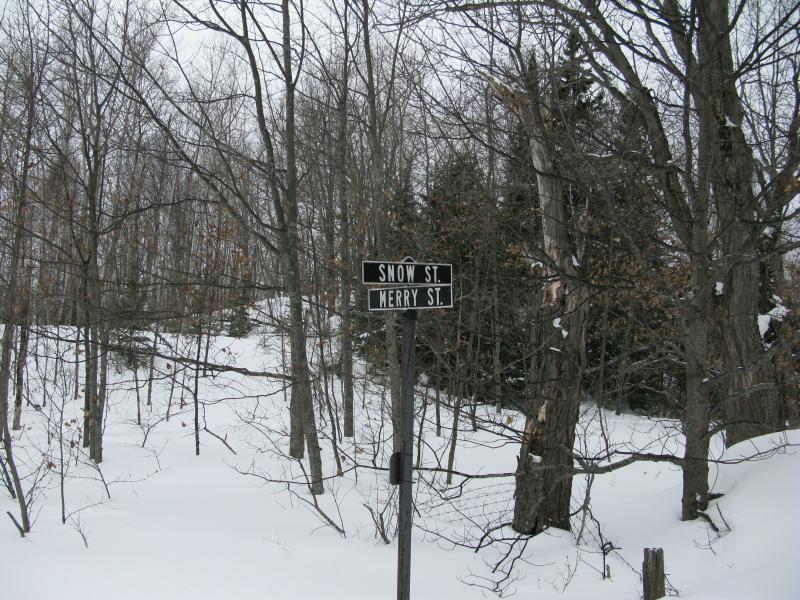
157, 522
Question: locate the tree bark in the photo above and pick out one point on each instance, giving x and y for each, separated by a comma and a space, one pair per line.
380, 198
99, 402
22, 357
345, 253
302, 409
14, 307
653, 574
562, 356
695, 418
752, 406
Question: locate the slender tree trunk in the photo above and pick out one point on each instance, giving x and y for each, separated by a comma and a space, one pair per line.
93, 310
137, 386
621, 393
174, 377
88, 386
77, 353
14, 307
422, 425
22, 357
438, 396
498, 345
380, 199
601, 374
463, 369
207, 349
11, 465
151, 367
345, 253
99, 401
302, 408
451, 455
497, 390
196, 389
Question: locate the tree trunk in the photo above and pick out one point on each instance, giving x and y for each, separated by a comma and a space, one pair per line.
751, 406
695, 416
22, 357
14, 307
529, 492
99, 401
451, 455
196, 388
380, 197
302, 408
497, 389
565, 307
345, 253
438, 404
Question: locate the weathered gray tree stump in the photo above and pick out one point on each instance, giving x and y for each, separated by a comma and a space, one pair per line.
653, 573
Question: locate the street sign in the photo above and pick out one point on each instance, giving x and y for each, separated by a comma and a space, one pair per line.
407, 273
425, 285
414, 298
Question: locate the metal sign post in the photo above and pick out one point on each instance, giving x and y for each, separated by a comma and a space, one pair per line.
425, 285
405, 516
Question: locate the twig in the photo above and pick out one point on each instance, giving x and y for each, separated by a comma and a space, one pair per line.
723, 518
708, 520
221, 439
489, 532
16, 523
7, 479
78, 526
103, 479
315, 505
380, 525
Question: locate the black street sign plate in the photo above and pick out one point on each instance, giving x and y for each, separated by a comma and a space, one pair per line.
406, 273
434, 296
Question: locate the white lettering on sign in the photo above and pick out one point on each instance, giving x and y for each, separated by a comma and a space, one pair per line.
413, 298
431, 274
391, 273
398, 298
434, 293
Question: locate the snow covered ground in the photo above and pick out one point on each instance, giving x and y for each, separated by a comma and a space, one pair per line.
178, 525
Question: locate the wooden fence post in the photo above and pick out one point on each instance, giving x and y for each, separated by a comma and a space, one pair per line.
653, 573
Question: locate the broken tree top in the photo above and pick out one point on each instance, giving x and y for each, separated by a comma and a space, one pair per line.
407, 272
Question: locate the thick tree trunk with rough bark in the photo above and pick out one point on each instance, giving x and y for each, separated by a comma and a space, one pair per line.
687, 203
568, 366
563, 326
751, 406
696, 410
